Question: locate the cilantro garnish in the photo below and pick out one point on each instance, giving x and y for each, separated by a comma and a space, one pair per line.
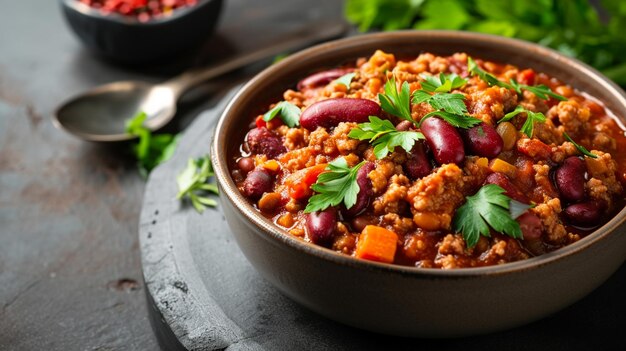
442, 84
345, 79
397, 103
335, 186
541, 91
531, 118
192, 183
583, 150
488, 208
151, 150
288, 112
384, 136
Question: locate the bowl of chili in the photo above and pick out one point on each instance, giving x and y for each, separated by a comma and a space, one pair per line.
415, 267
143, 30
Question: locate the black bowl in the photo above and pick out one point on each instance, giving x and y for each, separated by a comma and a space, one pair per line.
127, 39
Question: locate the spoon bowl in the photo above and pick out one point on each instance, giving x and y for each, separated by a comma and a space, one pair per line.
98, 115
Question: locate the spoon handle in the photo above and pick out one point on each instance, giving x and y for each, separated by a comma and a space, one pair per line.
189, 79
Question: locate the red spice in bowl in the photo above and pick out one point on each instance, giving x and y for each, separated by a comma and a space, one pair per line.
143, 10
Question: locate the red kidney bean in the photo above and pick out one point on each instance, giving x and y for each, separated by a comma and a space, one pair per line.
505, 183
531, 226
417, 164
365, 191
257, 182
323, 78
570, 179
328, 113
262, 141
245, 164
584, 214
321, 225
483, 140
404, 125
444, 141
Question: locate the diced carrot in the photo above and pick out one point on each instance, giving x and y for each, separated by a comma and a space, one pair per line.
483, 162
299, 183
272, 166
377, 244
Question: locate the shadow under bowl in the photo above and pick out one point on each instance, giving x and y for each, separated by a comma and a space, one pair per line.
411, 301
126, 39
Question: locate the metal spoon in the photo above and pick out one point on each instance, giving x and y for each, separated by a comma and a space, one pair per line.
100, 114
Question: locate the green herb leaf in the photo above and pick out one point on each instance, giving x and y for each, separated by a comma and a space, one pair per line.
336, 186
396, 102
531, 119
456, 120
192, 183
583, 150
541, 91
473, 68
384, 136
346, 79
488, 208
442, 84
150, 150
288, 112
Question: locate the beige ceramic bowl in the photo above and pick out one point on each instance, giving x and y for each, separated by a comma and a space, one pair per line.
411, 301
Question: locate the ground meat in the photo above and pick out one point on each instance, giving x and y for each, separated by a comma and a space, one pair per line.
571, 116
434, 198
545, 188
604, 169
379, 176
598, 191
492, 103
394, 198
295, 138
397, 223
343, 143
548, 212
298, 159
503, 250
563, 151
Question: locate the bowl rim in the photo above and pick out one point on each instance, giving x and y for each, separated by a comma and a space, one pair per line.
94, 13
229, 191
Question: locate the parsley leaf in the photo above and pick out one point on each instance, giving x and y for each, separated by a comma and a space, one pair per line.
456, 120
346, 79
541, 91
489, 207
396, 102
384, 136
442, 84
150, 150
583, 150
288, 112
531, 119
335, 186
192, 183
450, 107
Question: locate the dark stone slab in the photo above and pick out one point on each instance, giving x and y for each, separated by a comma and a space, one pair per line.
206, 296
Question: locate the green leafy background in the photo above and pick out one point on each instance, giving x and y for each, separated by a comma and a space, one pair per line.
592, 31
